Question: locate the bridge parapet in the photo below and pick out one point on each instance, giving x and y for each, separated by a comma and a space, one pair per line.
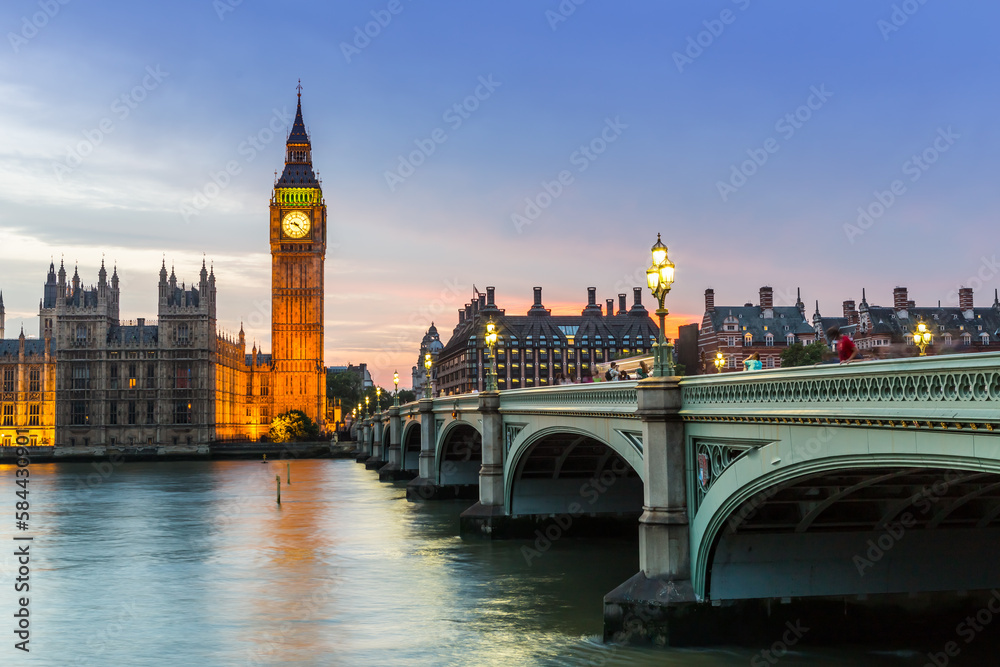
592, 399
953, 391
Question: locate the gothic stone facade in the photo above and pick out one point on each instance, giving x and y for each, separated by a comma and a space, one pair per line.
93, 379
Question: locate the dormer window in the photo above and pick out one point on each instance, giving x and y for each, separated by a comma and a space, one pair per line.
769, 339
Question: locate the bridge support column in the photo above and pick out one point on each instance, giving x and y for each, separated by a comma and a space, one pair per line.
488, 517
365, 447
424, 486
391, 470
651, 604
375, 461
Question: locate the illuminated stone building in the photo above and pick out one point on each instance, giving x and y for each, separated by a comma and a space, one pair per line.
298, 254
27, 389
535, 348
94, 379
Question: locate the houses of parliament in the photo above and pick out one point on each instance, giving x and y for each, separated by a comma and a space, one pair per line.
91, 378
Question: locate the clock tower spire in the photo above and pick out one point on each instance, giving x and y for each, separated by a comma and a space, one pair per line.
298, 252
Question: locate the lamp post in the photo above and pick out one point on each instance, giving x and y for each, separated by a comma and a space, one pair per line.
367, 411
491, 341
659, 278
720, 362
395, 397
428, 362
378, 399
922, 338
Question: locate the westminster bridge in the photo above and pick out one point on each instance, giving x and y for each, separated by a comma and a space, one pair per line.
842, 486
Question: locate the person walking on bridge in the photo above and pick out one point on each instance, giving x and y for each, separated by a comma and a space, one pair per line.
847, 351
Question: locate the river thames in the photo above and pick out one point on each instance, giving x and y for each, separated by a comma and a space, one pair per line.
193, 563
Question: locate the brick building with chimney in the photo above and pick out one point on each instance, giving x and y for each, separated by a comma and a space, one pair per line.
884, 330
739, 331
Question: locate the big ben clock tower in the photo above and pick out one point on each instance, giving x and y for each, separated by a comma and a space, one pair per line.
298, 251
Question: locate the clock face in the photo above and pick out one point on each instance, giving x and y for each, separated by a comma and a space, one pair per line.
295, 224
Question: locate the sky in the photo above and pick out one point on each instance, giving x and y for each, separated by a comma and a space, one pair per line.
831, 146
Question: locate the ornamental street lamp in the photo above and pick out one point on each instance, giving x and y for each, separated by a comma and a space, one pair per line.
428, 362
395, 396
367, 399
378, 399
491, 341
720, 361
659, 278
922, 338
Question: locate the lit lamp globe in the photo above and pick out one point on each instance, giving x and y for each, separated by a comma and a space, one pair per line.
720, 361
659, 279
395, 394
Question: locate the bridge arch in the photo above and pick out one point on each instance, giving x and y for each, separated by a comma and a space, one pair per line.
844, 515
566, 470
409, 445
458, 454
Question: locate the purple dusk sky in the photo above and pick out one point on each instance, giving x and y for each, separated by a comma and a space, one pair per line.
832, 145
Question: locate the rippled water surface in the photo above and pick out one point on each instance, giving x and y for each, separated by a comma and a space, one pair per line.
193, 563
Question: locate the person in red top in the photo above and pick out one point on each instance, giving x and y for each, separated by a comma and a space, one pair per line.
846, 349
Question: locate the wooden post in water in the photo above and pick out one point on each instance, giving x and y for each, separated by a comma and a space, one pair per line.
277, 479
289, 476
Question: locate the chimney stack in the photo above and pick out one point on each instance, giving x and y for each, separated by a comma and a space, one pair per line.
709, 300
637, 307
965, 298
622, 306
851, 312
591, 296
766, 298
899, 301
461, 315
490, 294
611, 307
537, 308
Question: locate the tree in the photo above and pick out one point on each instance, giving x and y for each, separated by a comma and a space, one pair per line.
347, 387
293, 425
406, 396
798, 354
